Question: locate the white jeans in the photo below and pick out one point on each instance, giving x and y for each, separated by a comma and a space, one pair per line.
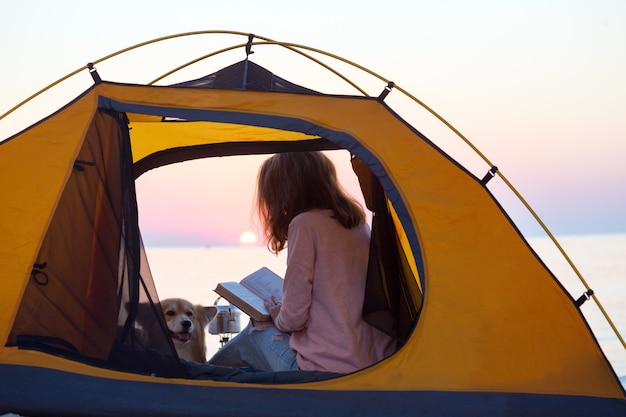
264, 349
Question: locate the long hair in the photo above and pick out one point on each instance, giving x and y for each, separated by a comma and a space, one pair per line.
294, 182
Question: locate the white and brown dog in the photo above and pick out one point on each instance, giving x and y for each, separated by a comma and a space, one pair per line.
187, 325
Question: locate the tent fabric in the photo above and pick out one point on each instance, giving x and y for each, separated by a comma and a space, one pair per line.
493, 333
246, 75
73, 394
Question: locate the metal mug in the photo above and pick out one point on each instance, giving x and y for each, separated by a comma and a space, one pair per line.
227, 320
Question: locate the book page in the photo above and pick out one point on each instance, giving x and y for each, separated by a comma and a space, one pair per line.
264, 283
243, 298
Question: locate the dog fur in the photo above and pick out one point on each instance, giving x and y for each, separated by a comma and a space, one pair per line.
187, 324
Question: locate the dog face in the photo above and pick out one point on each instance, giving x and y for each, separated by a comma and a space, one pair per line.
187, 323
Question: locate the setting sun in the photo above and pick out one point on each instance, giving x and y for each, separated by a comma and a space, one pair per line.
247, 238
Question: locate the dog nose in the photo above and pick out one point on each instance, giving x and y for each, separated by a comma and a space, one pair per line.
186, 324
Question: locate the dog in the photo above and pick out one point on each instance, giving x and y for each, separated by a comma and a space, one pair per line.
187, 324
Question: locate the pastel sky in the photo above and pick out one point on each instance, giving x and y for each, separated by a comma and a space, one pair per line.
539, 86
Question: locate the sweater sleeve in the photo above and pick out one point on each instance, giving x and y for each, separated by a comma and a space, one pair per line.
298, 284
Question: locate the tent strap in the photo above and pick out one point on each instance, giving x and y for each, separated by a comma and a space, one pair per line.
386, 91
94, 73
249, 51
489, 175
586, 296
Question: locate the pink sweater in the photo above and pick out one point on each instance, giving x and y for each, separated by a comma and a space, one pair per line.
323, 296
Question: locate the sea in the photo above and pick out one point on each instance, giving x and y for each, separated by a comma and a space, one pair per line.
193, 273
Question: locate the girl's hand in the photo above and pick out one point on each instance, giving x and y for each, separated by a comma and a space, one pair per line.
273, 306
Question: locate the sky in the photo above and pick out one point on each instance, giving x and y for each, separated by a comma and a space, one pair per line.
539, 87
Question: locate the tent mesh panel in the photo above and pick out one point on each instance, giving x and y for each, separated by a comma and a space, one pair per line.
392, 295
91, 296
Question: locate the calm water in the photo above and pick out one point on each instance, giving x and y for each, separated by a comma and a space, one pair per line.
193, 273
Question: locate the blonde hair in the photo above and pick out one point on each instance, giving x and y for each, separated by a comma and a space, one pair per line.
294, 182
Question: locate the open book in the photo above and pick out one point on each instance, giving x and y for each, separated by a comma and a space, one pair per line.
249, 293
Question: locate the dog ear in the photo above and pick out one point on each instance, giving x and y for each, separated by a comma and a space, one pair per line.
207, 313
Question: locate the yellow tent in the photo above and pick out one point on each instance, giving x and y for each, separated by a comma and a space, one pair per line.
73, 270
